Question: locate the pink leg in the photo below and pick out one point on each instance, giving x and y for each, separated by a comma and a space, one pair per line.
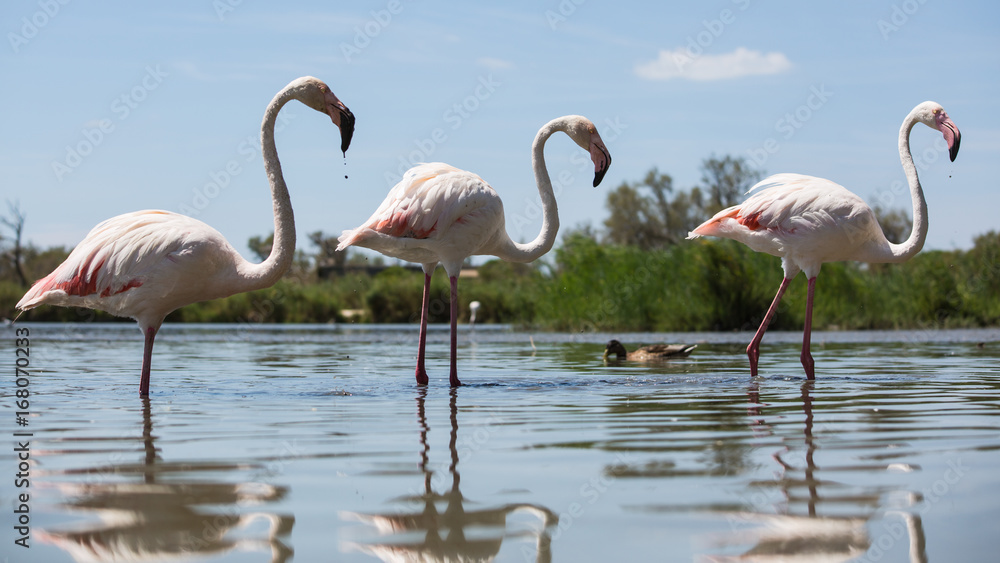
454, 332
421, 371
807, 359
147, 362
753, 350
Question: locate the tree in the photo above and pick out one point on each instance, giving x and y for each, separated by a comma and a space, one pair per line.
261, 247
14, 255
726, 180
655, 220
896, 223
649, 214
327, 255
634, 219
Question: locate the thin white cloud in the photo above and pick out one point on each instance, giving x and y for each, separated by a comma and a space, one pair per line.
494, 64
681, 63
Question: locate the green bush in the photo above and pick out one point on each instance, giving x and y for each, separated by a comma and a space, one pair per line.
705, 284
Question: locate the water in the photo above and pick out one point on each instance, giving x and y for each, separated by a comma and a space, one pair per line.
314, 443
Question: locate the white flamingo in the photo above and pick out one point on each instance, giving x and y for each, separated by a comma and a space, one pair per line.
807, 221
440, 214
146, 264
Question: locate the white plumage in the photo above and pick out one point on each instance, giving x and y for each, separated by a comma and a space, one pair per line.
807, 221
440, 214
146, 264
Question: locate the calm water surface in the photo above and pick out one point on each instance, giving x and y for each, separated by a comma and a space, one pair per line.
313, 443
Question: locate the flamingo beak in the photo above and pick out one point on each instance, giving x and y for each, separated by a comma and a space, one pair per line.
601, 157
951, 134
342, 118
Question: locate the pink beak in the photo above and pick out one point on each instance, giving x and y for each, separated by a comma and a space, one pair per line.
951, 134
601, 157
342, 118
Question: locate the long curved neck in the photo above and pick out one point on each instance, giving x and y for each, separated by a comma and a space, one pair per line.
268, 272
912, 245
517, 252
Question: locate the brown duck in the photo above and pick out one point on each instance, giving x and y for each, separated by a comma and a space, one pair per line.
648, 353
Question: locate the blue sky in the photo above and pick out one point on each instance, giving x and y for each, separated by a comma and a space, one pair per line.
162, 104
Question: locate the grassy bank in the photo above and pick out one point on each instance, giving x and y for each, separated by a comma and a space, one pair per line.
694, 286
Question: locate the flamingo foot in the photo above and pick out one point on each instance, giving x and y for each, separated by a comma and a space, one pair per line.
422, 377
753, 353
808, 364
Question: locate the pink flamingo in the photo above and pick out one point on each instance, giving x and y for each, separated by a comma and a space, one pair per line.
146, 264
440, 214
807, 221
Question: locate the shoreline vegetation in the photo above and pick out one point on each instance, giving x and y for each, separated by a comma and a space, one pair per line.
636, 274
704, 285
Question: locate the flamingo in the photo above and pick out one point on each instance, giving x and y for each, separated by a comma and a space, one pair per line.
473, 309
146, 264
807, 221
438, 214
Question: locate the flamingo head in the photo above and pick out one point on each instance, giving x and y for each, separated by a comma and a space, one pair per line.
934, 116
317, 95
584, 133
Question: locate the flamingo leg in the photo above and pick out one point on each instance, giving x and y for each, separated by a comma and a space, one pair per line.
806, 358
147, 362
753, 350
422, 346
454, 332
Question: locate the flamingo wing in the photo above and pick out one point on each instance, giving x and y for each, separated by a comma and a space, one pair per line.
787, 204
118, 255
423, 205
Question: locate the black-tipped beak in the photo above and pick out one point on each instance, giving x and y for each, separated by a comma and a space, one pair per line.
954, 142
346, 129
602, 162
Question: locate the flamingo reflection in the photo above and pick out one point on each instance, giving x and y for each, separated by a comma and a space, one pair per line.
442, 521
797, 532
159, 519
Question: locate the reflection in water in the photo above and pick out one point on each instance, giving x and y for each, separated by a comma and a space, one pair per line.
162, 521
797, 536
432, 534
